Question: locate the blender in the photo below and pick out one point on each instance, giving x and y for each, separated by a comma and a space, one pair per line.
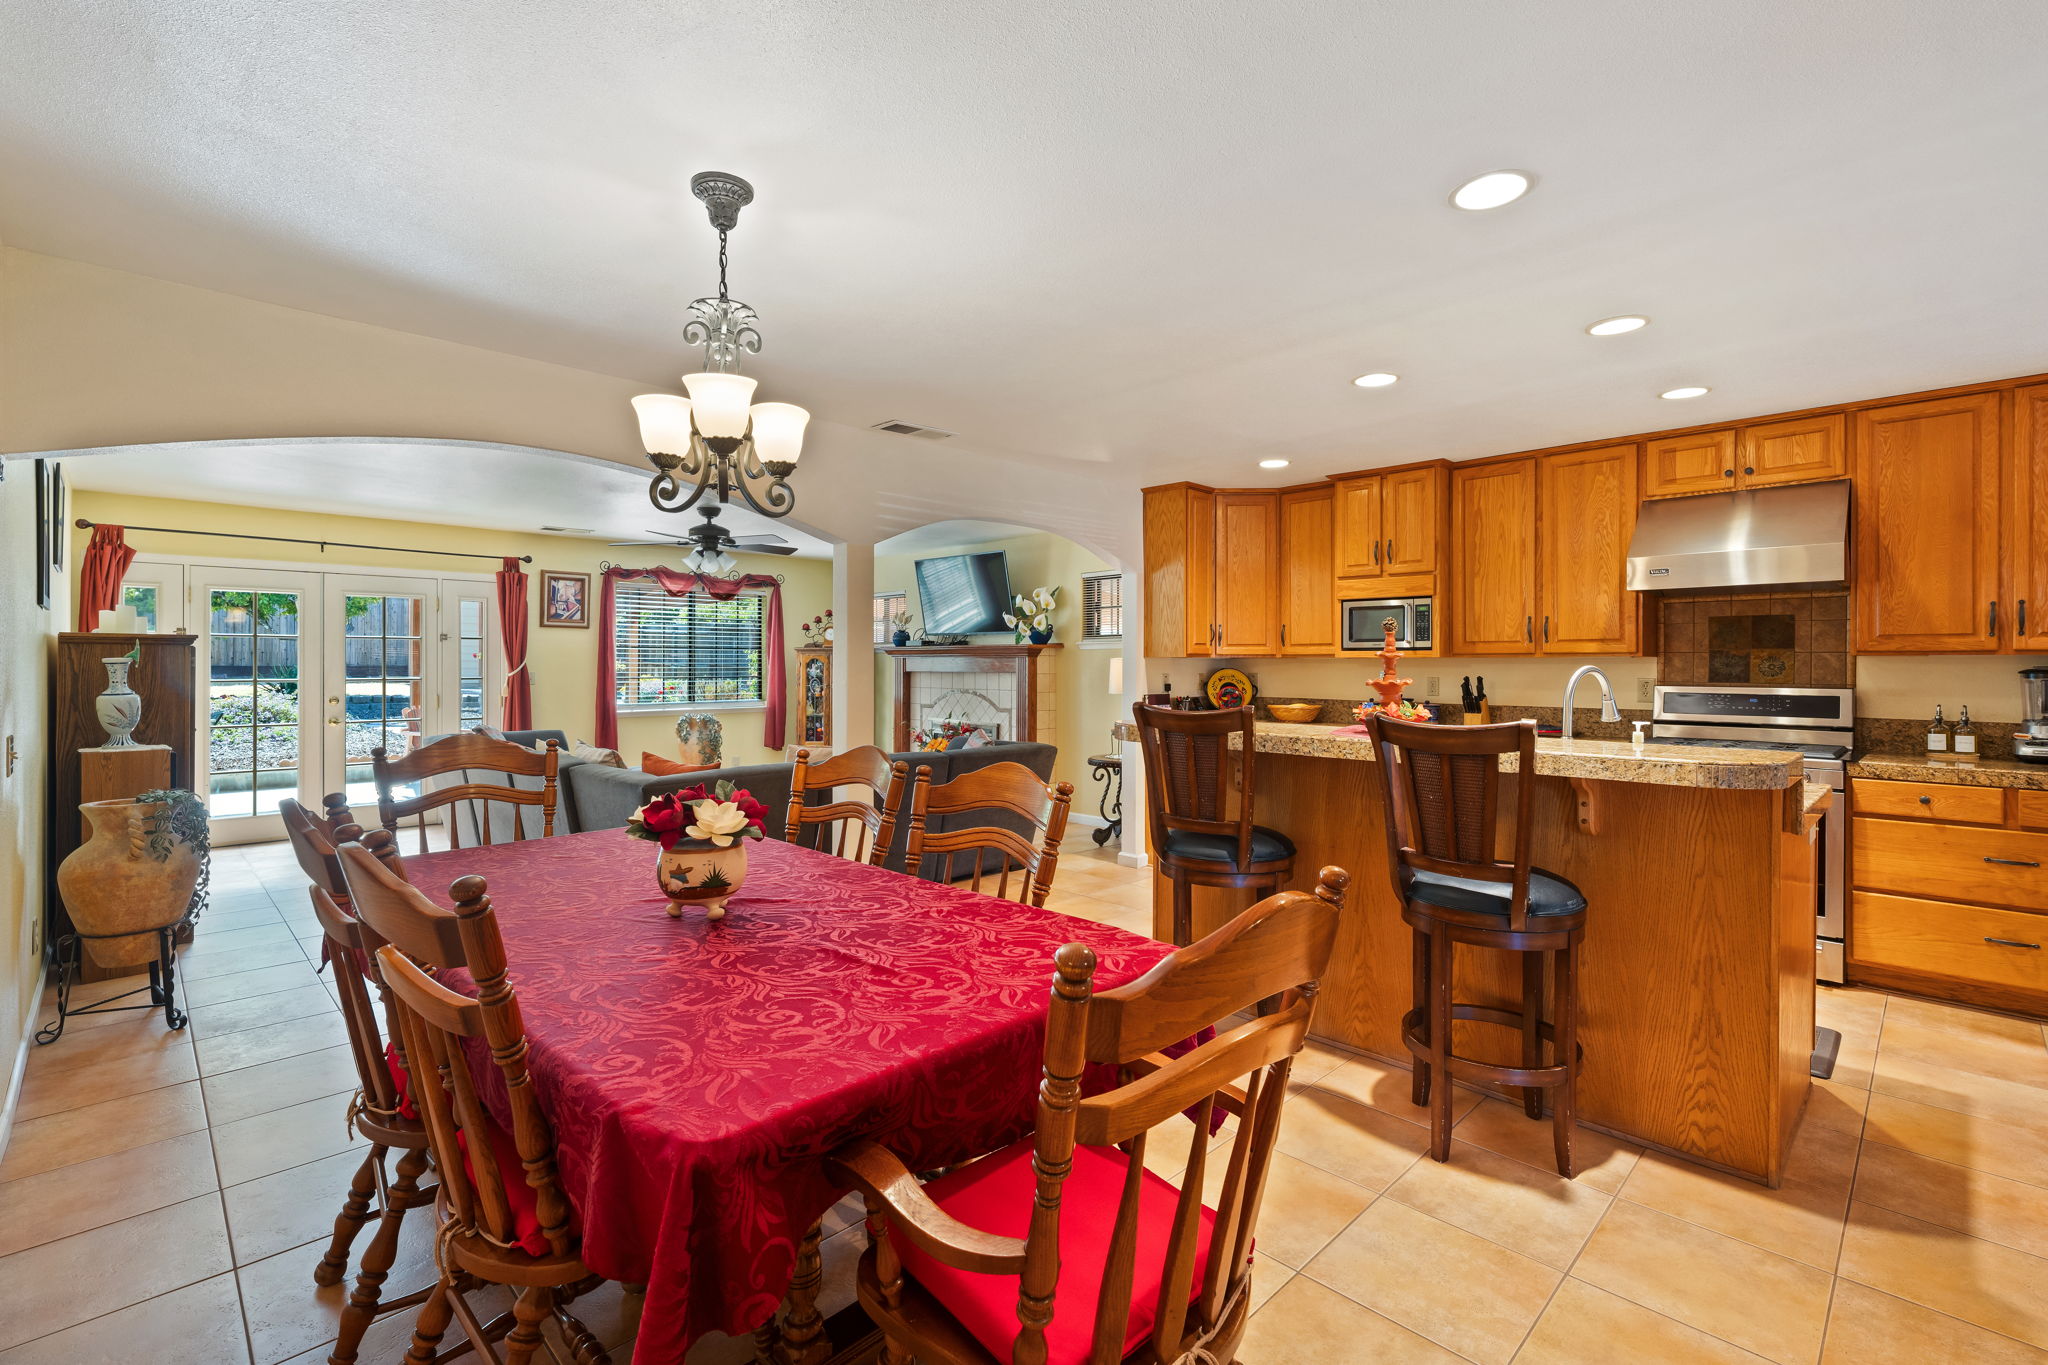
2030, 742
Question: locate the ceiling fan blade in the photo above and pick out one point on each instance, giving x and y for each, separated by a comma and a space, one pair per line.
623, 544
753, 548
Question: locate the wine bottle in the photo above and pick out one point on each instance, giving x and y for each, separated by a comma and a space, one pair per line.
1937, 734
1964, 740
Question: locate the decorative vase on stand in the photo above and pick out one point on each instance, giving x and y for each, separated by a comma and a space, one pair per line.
119, 707
1041, 637
696, 873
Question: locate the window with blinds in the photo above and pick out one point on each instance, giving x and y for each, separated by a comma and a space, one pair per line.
1102, 606
887, 604
688, 650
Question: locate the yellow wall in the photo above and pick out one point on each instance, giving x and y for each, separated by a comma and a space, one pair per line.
1084, 707
25, 636
561, 661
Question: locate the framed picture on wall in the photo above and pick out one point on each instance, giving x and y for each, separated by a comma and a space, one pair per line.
564, 598
42, 478
59, 504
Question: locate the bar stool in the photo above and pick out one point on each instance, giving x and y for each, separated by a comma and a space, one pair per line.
1442, 789
1187, 804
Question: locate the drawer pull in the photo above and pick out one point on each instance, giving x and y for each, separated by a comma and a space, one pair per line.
2011, 943
2009, 862
1926, 800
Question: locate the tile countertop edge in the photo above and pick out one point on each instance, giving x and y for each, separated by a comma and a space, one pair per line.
1982, 772
1600, 760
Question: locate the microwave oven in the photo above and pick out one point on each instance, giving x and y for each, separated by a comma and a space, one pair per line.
1362, 621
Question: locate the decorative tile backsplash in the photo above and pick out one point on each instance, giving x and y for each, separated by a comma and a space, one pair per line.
1770, 639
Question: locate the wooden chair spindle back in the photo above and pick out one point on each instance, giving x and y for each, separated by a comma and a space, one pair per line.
870, 824
1011, 787
465, 753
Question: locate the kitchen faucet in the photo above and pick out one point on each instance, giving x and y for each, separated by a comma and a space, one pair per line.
1607, 710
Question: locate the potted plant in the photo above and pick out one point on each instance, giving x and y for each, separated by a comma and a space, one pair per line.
900, 619
137, 876
703, 834
1031, 616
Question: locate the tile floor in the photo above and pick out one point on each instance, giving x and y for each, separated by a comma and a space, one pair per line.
165, 1196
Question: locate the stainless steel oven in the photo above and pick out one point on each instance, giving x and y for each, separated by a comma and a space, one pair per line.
1363, 620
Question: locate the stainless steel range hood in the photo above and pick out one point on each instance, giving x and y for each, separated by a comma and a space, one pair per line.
1743, 539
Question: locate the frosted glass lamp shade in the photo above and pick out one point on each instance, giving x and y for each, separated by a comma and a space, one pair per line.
719, 402
664, 423
779, 432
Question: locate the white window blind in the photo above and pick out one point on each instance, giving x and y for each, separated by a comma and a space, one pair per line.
887, 604
688, 650
1102, 606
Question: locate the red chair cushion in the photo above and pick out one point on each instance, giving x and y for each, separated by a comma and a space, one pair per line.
401, 1081
995, 1195
524, 1202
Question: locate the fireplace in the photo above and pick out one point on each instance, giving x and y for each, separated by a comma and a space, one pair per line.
1006, 690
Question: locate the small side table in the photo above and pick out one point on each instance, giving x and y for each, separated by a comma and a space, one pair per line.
1108, 769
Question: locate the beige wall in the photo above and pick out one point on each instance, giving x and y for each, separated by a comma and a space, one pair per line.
562, 661
25, 637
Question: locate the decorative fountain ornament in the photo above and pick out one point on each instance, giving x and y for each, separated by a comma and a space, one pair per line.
1390, 685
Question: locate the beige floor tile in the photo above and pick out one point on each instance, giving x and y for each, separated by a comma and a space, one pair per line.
1535, 1212
2009, 1212
140, 1034
1306, 1323
97, 1130
2009, 1059
1842, 1007
242, 985
271, 1042
1604, 1162
46, 1091
1869, 1328
255, 1090
1964, 1277
1318, 1059
75, 1279
1267, 1277
250, 914
283, 1138
1462, 1292
1801, 1219
258, 1011
1705, 1280
1948, 1086
288, 1315
1349, 1139
1387, 1087
201, 963
294, 1206
1831, 1104
2015, 1151
1585, 1325
1303, 1207
89, 1194
216, 940
1969, 1023
200, 1324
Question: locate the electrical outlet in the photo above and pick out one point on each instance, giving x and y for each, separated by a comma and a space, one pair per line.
1434, 686
1646, 689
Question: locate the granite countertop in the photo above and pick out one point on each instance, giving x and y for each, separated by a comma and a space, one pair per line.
1600, 760
1814, 795
1980, 772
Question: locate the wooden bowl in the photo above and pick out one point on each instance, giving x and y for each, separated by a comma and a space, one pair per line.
1294, 712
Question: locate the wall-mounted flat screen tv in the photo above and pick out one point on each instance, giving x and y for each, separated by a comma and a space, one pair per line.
964, 594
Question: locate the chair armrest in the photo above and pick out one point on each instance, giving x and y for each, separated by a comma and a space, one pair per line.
888, 1184
1230, 1099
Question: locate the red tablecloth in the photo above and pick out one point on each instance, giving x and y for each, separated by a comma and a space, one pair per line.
696, 1072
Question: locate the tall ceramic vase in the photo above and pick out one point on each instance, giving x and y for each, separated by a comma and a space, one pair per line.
119, 708
694, 873
117, 891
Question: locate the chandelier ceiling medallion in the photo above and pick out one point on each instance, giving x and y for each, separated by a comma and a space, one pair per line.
717, 439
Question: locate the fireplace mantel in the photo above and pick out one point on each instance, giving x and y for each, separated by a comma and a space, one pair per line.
1026, 681
970, 651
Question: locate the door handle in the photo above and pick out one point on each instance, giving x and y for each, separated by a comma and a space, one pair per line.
1375, 552
1546, 630
332, 721
1991, 619
2021, 627
1390, 549
1529, 629
2010, 862
1283, 635
2011, 943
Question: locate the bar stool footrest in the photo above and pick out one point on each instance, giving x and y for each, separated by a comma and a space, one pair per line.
1471, 1069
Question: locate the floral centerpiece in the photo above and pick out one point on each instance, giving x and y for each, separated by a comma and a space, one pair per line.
703, 834
1032, 615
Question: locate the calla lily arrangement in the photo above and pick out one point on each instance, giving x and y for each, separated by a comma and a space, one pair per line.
716, 818
1032, 612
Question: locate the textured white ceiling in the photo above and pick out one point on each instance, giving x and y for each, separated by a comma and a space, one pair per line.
1160, 234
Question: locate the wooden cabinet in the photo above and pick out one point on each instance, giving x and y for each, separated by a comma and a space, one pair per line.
1389, 525
1703, 462
1493, 558
1360, 552
2026, 522
814, 696
1247, 574
1927, 527
1585, 514
1802, 450
1308, 600
1180, 571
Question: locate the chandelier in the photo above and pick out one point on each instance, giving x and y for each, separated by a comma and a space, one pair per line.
718, 438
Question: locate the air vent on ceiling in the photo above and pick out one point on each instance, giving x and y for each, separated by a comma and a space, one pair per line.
912, 429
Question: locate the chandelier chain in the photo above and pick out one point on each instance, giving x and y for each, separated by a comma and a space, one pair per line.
721, 266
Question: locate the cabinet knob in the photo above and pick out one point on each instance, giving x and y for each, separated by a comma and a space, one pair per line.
1926, 800
1747, 470
1727, 473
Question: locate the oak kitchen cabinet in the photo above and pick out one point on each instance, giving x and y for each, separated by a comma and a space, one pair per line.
1389, 524
1797, 450
1212, 579
1493, 557
2026, 523
1247, 574
1308, 598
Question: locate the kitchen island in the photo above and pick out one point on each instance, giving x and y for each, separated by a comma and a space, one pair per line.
1697, 974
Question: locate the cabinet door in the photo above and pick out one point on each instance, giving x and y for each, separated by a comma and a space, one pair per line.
2026, 502
1360, 553
1180, 572
1308, 588
1804, 450
1412, 509
1927, 577
1700, 463
1493, 558
1247, 574
1586, 511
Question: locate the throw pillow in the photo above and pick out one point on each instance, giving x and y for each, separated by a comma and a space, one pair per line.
655, 765
590, 753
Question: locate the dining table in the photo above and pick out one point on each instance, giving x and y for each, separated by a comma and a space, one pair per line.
697, 1072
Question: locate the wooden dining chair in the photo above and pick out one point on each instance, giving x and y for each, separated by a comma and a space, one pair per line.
504, 1218
381, 1112
1064, 1247
1033, 852
870, 822
466, 753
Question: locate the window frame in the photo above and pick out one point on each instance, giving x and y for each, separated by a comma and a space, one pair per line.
884, 630
625, 708
1091, 613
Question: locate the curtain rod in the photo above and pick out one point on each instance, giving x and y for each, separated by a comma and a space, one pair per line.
85, 525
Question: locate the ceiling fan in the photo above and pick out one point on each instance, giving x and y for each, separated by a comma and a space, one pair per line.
710, 542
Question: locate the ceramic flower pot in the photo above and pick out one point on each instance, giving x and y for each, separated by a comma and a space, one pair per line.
119, 708
1041, 637
900, 638
694, 873
116, 891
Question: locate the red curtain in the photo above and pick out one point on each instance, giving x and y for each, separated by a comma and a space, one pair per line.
518, 694
99, 578
774, 673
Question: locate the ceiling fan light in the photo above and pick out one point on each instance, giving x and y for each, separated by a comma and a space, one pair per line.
664, 423
719, 402
779, 432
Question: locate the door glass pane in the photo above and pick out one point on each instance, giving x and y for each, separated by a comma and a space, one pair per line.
472, 661
384, 684
252, 736
143, 599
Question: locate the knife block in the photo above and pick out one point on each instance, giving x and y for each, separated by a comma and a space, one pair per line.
1483, 716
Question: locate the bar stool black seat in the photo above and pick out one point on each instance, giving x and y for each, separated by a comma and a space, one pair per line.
1442, 788
1197, 838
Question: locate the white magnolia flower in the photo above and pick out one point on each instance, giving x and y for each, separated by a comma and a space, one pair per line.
718, 821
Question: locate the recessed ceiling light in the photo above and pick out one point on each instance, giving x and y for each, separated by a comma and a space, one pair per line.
1614, 327
1491, 190
1272, 464
1687, 391
1375, 381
